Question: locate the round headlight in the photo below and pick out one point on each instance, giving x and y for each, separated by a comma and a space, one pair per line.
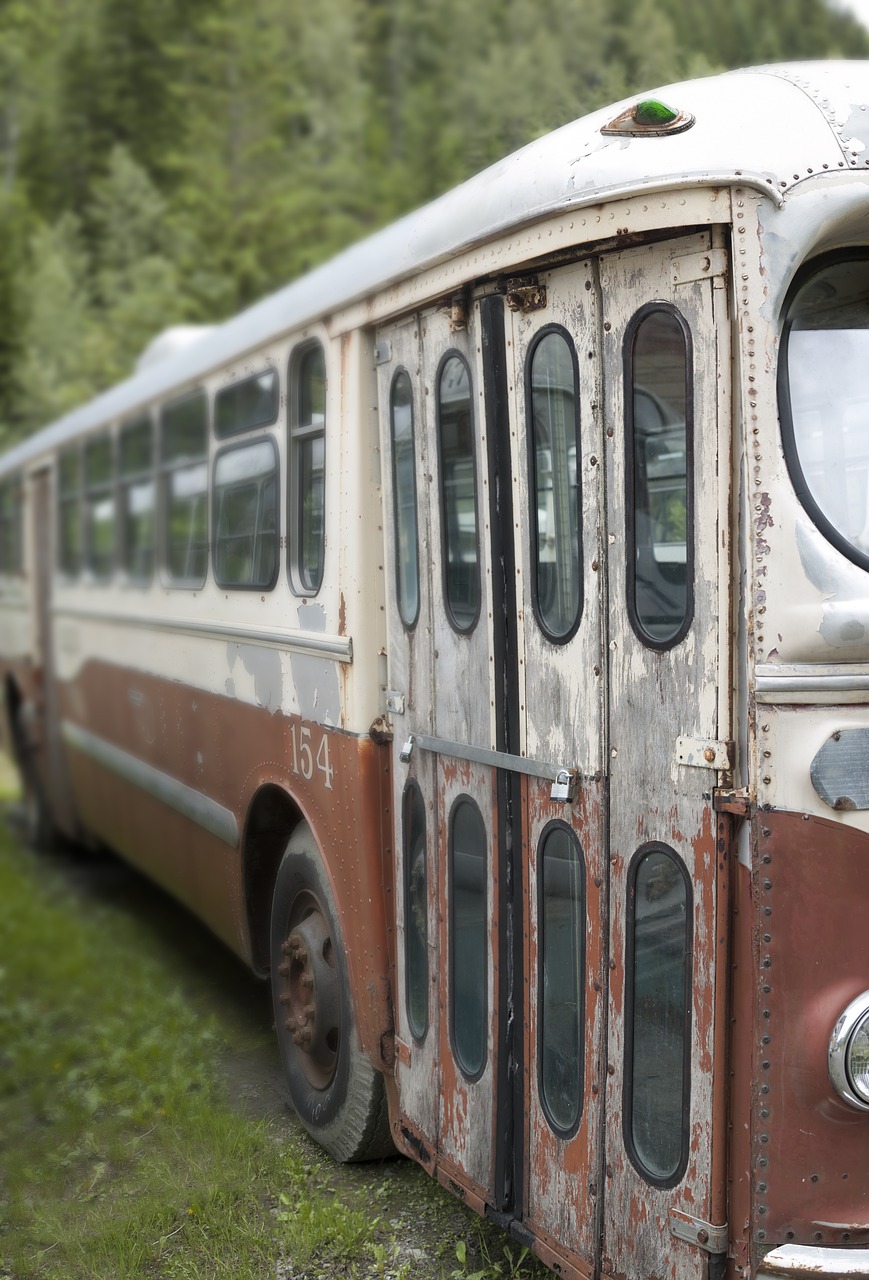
849, 1053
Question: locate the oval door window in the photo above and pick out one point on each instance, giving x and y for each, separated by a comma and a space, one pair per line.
553, 437
468, 940
561, 962
659, 499
658, 1020
404, 497
461, 550
415, 912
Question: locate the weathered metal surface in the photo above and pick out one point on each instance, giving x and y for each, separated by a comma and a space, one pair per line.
840, 770
809, 1146
227, 751
711, 1236
655, 698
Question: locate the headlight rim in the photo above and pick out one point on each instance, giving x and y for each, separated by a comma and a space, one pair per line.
847, 1024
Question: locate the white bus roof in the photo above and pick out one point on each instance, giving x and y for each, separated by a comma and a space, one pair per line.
767, 127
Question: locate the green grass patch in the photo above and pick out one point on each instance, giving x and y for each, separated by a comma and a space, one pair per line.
121, 1154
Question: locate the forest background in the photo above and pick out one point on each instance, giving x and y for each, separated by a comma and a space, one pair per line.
169, 161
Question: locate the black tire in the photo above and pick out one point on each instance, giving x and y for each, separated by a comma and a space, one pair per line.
39, 828
338, 1095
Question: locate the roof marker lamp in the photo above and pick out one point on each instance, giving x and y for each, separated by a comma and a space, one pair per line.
650, 117
849, 1053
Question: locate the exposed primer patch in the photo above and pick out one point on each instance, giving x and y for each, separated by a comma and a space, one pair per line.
264, 665
315, 679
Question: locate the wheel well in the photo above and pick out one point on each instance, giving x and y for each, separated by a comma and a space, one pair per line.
271, 820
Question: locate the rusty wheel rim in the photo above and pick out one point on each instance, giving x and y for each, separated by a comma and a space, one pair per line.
311, 991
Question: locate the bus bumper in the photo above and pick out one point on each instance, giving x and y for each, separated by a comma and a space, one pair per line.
805, 1262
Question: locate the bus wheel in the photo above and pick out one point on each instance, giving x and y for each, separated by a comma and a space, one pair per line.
38, 822
338, 1095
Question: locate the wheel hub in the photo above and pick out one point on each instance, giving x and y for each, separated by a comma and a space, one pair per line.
311, 996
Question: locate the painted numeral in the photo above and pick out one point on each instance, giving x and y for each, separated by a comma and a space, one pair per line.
304, 758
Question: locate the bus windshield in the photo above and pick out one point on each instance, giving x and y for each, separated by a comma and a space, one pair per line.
827, 351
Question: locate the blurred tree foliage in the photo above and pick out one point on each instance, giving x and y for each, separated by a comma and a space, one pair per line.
166, 161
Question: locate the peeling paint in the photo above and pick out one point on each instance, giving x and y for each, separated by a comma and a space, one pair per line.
264, 665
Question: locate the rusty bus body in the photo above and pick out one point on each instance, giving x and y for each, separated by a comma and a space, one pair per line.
475, 634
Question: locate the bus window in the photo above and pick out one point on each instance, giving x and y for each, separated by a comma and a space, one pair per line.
99, 507
659, 500
11, 521
183, 451
138, 497
657, 1043
404, 498
561, 952
69, 511
458, 494
825, 402
415, 911
307, 513
253, 402
245, 515
468, 938
553, 436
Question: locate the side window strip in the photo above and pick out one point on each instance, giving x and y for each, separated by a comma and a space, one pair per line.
245, 518
137, 498
99, 473
307, 487
69, 512
184, 477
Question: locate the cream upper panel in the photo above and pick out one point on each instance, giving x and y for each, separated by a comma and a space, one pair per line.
807, 602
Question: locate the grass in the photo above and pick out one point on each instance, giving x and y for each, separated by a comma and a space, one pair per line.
121, 1154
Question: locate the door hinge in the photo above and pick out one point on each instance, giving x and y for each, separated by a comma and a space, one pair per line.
698, 266
382, 352
708, 1235
525, 295
704, 753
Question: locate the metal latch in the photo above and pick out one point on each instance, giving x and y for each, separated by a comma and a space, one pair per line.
726, 800
564, 787
708, 1235
406, 751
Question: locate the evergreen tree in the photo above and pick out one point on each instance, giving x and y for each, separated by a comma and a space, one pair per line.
176, 159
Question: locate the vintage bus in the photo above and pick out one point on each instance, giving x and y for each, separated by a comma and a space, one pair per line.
475, 634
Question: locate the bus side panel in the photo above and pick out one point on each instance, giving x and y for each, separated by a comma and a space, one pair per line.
224, 751
812, 892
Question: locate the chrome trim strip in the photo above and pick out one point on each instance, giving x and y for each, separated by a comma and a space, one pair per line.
807, 1262
794, 680
192, 804
314, 643
483, 755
